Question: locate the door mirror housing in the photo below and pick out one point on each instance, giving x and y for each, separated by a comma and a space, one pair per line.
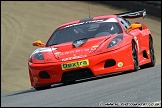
38, 43
133, 26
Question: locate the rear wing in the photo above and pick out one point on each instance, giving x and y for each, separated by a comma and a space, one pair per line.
133, 14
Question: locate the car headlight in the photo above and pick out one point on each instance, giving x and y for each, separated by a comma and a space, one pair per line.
115, 41
38, 56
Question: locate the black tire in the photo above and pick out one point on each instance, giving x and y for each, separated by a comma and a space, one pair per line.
152, 55
135, 57
42, 87
70, 82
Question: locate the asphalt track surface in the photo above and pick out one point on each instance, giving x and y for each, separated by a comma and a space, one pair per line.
123, 89
24, 22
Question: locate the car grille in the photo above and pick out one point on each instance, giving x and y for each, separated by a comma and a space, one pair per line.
76, 74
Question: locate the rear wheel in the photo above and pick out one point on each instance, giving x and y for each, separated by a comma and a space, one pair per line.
152, 55
135, 57
42, 87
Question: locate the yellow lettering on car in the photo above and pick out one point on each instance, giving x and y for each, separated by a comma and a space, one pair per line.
76, 64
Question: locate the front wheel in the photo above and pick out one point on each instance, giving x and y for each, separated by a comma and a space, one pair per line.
135, 57
42, 87
70, 82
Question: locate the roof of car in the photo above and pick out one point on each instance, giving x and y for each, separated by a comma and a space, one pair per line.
88, 19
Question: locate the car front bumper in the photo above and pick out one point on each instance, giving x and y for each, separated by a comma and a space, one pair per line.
113, 61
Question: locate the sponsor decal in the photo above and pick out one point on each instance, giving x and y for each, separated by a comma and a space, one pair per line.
148, 52
98, 21
35, 79
83, 23
72, 52
75, 57
95, 46
120, 64
76, 51
57, 53
47, 49
76, 64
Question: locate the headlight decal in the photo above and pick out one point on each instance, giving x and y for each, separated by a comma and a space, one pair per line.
43, 50
39, 56
115, 41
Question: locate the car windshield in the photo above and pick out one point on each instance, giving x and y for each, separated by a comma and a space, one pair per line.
84, 30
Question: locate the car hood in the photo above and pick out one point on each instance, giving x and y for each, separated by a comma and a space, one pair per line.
67, 51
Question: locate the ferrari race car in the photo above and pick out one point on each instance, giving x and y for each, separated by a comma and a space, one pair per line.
92, 47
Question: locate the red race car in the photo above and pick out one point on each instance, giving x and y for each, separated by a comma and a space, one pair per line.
92, 47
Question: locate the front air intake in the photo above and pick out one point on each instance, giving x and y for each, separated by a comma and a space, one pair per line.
76, 74
109, 63
44, 75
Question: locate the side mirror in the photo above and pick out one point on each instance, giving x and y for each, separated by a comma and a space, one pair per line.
38, 43
133, 26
